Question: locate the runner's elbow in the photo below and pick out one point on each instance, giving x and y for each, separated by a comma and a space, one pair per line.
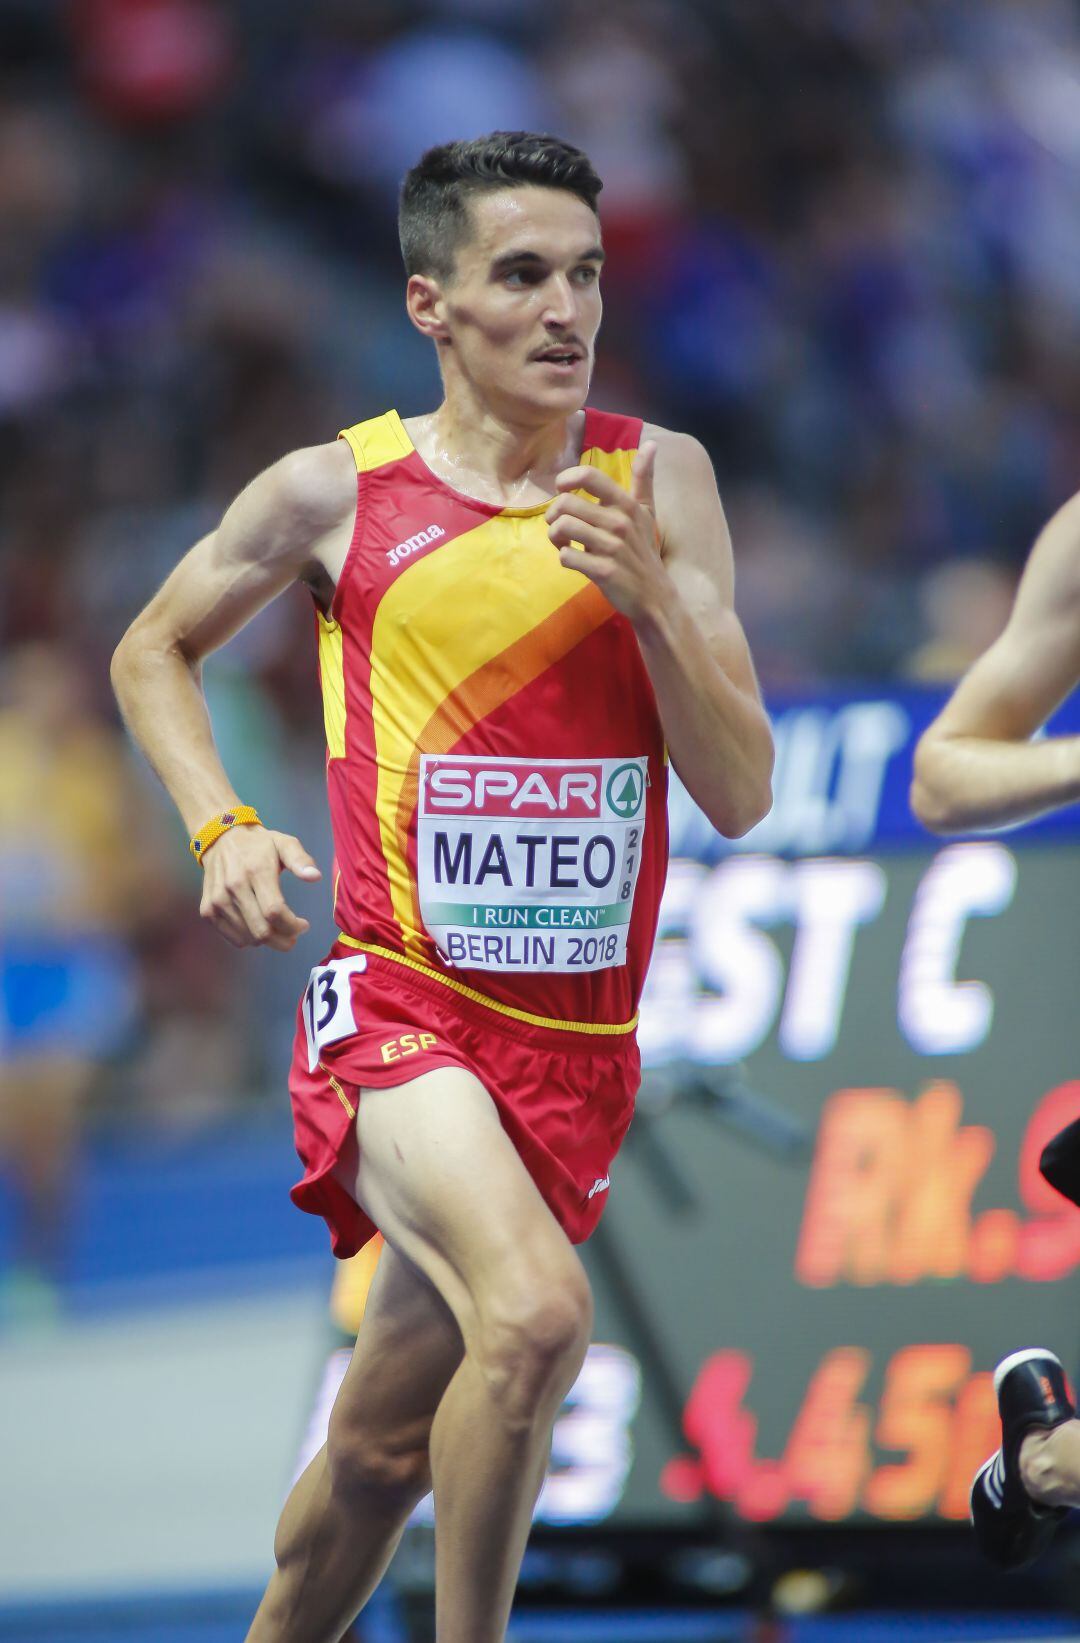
742, 819
752, 803
737, 813
129, 657
929, 796
734, 807
927, 808
122, 664
140, 649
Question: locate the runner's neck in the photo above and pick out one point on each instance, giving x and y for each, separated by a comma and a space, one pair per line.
493, 462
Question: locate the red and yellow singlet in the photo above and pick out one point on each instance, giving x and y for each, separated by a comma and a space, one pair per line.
495, 758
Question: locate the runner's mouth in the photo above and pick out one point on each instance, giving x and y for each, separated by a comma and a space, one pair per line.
564, 359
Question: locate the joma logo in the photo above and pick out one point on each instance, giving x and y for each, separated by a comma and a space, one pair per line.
413, 544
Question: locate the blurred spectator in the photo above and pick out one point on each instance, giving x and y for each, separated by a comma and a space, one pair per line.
424, 86
78, 870
150, 60
965, 606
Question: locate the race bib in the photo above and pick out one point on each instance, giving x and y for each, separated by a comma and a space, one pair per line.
529, 864
328, 1006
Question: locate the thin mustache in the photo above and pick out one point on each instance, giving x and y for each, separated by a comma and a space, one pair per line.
566, 342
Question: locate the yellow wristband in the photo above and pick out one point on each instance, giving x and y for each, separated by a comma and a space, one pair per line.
211, 831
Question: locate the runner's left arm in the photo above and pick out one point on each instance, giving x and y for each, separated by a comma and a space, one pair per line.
661, 553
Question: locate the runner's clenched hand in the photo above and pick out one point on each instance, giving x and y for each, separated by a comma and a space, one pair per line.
242, 887
619, 549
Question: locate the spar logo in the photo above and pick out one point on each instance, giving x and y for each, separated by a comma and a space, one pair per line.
625, 791
516, 789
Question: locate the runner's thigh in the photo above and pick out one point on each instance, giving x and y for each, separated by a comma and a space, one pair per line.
445, 1186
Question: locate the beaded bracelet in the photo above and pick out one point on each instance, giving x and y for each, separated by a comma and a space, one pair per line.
211, 831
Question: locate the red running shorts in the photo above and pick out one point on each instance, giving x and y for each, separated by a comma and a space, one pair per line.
565, 1098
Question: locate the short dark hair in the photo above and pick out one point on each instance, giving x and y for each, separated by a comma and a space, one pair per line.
433, 220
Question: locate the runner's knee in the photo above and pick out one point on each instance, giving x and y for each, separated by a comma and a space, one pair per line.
533, 1333
363, 1462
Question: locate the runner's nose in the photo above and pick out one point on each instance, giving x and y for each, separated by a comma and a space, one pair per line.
561, 310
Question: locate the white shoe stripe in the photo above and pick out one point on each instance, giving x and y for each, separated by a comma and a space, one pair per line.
992, 1478
1017, 1358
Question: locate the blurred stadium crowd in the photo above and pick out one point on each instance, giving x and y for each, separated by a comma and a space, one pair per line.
844, 243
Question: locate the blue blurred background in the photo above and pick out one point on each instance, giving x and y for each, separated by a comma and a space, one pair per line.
844, 243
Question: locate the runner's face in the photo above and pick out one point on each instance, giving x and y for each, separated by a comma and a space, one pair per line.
523, 307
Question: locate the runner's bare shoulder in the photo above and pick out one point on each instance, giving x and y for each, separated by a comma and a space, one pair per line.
307, 504
316, 484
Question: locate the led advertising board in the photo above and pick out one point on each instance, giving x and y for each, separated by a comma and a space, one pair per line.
827, 1224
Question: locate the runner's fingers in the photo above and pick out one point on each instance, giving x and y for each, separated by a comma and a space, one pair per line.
283, 923
281, 943
292, 855
596, 566
246, 904
218, 910
597, 483
579, 507
593, 537
641, 478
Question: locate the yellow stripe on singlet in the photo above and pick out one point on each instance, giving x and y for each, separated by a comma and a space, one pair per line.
605, 1029
332, 680
425, 697
619, 464
373, 443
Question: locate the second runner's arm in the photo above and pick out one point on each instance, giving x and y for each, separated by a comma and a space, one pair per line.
276, 530
680, 601
976, 766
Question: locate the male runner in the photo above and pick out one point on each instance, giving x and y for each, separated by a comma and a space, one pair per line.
977, 766
523, 608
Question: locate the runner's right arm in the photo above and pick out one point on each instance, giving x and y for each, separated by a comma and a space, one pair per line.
293, 521
976, 765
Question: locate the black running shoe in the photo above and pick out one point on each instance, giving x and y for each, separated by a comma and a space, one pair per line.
1010, 1528
1060, 1162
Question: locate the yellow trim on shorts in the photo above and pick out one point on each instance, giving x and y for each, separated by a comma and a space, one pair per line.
338, 1091
602, 1028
